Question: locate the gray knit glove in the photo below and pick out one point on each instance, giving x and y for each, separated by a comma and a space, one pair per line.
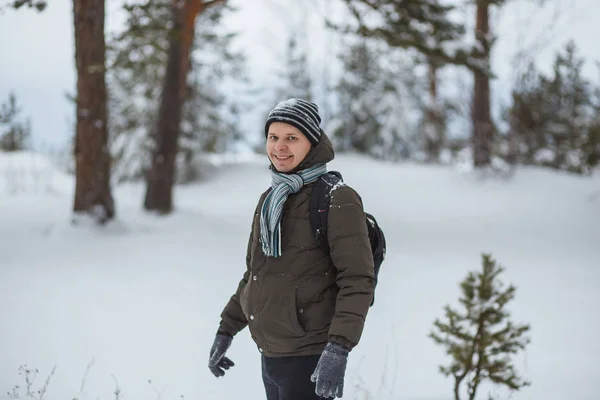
217, 361
330, 371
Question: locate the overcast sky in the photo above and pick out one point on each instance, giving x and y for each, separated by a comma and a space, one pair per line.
37, 59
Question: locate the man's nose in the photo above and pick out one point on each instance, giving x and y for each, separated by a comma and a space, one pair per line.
280, 146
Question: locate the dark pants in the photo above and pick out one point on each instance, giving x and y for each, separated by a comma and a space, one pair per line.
288, 378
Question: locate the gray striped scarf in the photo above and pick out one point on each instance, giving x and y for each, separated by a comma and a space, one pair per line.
272, 208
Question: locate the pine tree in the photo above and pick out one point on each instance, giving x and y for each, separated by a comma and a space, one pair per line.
293, 76
426, 26
293, 80
524, 117
357, 122
555, 118
209, 115
484, 132
408, 24
570, 114
138, 59
373, 109
436, 110
15, 134
297, 72
592, 145
481, 338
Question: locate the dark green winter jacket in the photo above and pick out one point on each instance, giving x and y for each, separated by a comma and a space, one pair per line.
295, 303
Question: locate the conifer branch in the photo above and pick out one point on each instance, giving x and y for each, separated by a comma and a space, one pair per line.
485, 353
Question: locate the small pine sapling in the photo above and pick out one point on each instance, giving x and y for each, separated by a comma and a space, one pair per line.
481, 338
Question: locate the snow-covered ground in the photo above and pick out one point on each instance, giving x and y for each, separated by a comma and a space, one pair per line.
141, 298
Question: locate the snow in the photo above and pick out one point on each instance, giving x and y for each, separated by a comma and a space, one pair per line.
135, 306
336, 186
289, 103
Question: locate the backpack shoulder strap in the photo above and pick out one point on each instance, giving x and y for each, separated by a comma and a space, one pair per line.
319, 205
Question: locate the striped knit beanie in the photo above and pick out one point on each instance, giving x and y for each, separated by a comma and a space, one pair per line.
302, 114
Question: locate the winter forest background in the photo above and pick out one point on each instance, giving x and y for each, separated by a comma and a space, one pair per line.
132, 152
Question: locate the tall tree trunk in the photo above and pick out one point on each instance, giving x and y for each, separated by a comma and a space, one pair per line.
434, 124
161, 175
160, 179
92, 157
481, 117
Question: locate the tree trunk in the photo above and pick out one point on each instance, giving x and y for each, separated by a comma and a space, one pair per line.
434, 124
457, 389
191, 9
481, 117
513, 156
92, 157
160, 179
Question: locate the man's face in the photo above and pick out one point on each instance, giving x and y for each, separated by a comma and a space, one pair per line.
286, 146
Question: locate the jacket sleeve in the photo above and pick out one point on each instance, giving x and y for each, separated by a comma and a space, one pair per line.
351, 254
232, 316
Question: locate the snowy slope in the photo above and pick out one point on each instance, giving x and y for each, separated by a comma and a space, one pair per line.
142, 298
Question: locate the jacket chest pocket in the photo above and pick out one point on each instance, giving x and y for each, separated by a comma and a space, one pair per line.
297, 232
288, 227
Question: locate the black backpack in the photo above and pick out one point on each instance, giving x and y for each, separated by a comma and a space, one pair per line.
319, 210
